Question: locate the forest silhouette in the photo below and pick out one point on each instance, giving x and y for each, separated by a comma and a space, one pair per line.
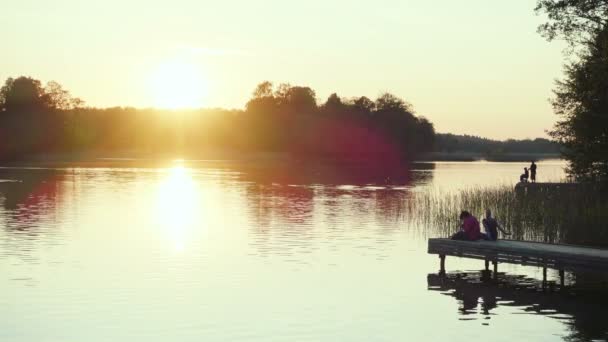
44, 120
38, 119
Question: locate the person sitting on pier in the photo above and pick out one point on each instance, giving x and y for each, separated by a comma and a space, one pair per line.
469, 229
491, 227
524, 177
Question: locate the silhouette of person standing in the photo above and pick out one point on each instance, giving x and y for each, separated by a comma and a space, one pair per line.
533, 172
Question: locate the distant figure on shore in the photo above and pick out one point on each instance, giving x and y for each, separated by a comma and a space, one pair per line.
533, 172
491, 227
469, 228
524, 176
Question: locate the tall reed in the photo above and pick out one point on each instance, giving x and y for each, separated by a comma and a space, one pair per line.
575, 215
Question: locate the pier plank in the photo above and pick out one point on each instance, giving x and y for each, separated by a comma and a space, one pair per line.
557, 256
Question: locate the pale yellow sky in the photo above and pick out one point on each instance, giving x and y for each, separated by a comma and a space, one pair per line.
475, 67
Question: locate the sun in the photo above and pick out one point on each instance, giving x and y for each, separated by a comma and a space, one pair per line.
178, 84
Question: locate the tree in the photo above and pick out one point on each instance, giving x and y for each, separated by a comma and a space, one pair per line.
27, 94
577, 21
581, 99
425, 135
22, 93
263, 89
263, 100
334, 105
263, 120
582, 102
60, 98
296, 99
390, 103
364, 105
395, 118
333, 101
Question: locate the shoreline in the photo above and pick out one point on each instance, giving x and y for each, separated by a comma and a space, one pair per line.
98, 159
502, 157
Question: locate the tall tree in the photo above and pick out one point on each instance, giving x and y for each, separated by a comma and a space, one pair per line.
581, 99
23, 93
582, 103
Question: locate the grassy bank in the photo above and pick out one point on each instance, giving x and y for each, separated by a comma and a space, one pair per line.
576, 216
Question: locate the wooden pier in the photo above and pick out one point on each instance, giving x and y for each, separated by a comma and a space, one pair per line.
556, 256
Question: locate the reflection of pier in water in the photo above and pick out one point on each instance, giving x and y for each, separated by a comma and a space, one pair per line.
557, 256
581, 306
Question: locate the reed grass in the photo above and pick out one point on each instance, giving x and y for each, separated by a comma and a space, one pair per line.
575, 215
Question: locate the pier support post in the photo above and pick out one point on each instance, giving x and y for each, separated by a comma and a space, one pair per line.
544, 276
442, 263
495, 273
561, 278
487, 265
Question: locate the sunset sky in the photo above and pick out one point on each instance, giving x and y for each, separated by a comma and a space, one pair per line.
472, 66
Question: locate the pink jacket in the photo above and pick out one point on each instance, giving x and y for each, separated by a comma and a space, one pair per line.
470, 226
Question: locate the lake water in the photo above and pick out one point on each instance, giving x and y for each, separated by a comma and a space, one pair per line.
220, 251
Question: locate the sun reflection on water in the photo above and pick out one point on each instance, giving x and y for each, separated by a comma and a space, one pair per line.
178, 203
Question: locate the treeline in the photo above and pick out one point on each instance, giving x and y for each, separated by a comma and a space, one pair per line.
451, 143
37, 119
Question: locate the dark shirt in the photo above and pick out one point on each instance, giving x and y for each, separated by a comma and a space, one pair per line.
491, 227
533, 168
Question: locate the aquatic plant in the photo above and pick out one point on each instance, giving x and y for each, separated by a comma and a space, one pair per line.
574, 215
